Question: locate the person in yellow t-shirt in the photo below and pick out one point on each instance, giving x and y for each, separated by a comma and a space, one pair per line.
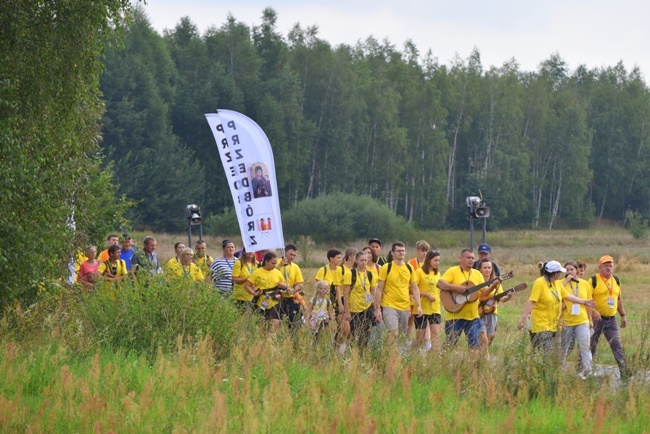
576, 318
264, 283
201, 258
290, 307
456, 281
544, 305
176, 260
332, 273
607, 295
427, 277
489, 320
113, 269
359, 292
187, 268
241, 271
397, 284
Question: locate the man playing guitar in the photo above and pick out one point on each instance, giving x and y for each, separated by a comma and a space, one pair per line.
457, 280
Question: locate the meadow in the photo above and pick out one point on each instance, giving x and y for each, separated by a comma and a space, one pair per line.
184, 361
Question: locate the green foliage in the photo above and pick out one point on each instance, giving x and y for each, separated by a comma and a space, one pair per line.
342, 217
152, 314
50, 107
225, 223
548, 148
637, 225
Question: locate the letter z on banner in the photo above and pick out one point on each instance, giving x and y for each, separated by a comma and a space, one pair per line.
247, 158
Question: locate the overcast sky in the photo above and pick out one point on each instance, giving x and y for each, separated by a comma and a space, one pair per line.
595, 32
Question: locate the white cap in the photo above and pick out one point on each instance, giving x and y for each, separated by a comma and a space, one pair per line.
554, 267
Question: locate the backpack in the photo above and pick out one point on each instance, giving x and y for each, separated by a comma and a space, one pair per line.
354, 277
332, 289
390, 265
593, 280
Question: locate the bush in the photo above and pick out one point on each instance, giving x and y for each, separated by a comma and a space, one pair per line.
224, 223
151, 315
341, 217
636, 225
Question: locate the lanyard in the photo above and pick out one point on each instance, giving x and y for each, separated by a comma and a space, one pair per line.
364, 280
608, 285
229, 264
576, 289
287, 274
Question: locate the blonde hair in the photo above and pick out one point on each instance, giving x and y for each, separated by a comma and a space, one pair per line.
422, 245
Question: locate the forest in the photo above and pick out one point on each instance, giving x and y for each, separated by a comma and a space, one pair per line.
548, 148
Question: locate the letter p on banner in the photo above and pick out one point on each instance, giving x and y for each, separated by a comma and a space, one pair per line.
253, 185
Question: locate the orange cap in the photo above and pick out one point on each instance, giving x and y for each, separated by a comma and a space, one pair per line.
604, 259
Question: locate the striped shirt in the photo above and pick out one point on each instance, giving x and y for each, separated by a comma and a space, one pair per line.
221, 271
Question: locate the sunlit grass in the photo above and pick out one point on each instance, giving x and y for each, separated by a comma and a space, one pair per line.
58, 377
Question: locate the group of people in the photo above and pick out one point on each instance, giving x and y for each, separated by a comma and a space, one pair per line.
357, 290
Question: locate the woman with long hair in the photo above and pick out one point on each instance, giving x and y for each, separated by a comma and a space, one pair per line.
488, 307
265, 283
427, 326
241, 271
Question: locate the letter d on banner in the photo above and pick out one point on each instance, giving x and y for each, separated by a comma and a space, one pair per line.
247, 159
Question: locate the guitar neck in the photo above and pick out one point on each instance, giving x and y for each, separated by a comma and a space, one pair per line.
503, 294
482, 285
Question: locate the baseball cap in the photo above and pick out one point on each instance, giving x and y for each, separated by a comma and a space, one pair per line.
604, 259
126, 236
554, 267
374, 240
484, 248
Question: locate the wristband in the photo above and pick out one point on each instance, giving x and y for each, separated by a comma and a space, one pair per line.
623, 314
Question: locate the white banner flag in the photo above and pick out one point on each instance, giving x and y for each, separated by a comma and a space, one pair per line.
247, 158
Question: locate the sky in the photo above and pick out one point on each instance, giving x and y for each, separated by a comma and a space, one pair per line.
596, 33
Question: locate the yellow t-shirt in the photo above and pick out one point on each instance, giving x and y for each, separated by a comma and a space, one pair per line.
603, 292
495, 291
117, 271
333, 277
292, 276
239, 289
364, 284
582, 290
548, 303
427, 284
203, 263
266, 279
192, 270
396, 292
456, 276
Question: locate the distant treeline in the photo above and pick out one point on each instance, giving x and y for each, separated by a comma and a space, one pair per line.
546, 148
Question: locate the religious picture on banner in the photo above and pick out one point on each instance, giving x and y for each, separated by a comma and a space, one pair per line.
260, 180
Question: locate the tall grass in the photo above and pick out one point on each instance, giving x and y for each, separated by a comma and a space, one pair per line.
172, 356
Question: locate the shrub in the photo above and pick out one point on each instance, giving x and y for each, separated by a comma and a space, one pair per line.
636, 225
150, 315
341, 217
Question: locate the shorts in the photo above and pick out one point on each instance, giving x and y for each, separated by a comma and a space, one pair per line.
489, 324
471, 328
273, 312
396, 319
421, 322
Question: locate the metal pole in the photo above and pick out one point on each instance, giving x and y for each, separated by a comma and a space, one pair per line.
189, 233
471, 231
201, 232
484, 229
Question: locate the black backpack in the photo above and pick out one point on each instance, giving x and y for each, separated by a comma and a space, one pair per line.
354, 277
594, 281
390, 265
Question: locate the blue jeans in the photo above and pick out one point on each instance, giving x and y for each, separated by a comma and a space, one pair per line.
454, 328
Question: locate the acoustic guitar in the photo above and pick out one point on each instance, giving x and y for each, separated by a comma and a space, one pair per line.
453, 302
488, 305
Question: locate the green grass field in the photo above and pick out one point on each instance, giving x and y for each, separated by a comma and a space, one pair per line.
57, 376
